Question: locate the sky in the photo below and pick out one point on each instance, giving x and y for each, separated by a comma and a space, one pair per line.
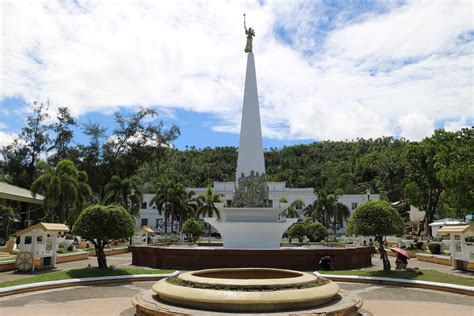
326, 70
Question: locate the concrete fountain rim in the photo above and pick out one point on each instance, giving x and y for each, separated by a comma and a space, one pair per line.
293, 278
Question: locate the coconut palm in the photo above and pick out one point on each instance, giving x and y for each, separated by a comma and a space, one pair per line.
170, 201
341, 214
292, 210
7, 216
208, 207
126, 192
63, 188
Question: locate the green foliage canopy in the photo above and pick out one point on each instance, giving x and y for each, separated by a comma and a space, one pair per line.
101, 224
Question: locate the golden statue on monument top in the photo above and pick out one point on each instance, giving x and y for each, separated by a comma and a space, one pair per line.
250, 34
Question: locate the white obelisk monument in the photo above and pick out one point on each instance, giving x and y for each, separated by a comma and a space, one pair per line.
251, 224
250, 147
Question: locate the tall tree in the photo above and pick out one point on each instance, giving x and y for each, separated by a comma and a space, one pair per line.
63, 135
170, 201
208, 207
61, 188
125, 192
7, 217
423, 188
378, 219
21, 156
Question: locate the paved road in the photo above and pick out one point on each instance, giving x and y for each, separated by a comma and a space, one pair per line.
116, 300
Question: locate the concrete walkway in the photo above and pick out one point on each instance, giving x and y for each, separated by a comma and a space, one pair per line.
116, 300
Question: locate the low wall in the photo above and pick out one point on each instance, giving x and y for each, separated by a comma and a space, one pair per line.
110, 252
445, 260
75, 256
201, 258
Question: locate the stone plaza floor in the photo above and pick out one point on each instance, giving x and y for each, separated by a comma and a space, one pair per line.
116, 299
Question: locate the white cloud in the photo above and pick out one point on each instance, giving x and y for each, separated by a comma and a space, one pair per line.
6, 138
371, 77
415, 126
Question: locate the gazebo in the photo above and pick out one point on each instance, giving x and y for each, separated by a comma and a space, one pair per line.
38, 241
462, 245
141, 236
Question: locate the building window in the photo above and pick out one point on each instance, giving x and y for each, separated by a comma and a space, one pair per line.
270, 203
229, 203
354, 206
144, 221
143, 205
157, 223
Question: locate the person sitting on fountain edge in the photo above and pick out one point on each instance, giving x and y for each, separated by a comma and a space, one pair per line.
325, 263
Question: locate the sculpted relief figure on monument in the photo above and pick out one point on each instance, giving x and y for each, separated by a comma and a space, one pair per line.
251, 191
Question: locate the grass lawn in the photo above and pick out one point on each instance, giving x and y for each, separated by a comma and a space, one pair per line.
81, 273
8, 259
420, 275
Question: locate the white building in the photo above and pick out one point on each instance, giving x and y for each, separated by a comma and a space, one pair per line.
149, 215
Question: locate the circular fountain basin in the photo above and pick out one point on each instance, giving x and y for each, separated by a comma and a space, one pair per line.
246, 290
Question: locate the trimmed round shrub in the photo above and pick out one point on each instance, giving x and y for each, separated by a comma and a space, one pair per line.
435, 248
297, 231
316, 232
70, 248
193, 229
419, 245
101, 224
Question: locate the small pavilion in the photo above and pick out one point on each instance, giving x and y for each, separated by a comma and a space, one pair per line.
141, 236
39, 242
461, 246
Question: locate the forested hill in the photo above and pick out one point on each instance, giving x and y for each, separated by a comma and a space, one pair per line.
351, 166
435, 174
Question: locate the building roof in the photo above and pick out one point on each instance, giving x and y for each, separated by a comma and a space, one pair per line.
146, 229
446, 221
14, 193
456, 229
51, 227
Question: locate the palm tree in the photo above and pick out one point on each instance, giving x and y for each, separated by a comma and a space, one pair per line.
310, 208
324, 207
63, 188
292, 210
84, 194
208, 207
7, 216
126, 192
342, 213
170, 199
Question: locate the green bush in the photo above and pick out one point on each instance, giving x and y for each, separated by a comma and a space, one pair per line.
419, 245
378, 219
193, 229
316, 231
435, 248
70, 248
297, 231
101, 225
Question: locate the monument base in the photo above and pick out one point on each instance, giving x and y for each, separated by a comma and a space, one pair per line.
296, 258
258, 235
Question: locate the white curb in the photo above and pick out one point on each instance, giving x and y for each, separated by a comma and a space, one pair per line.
404, 281
72, 282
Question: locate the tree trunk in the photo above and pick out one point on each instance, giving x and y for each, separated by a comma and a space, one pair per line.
101, 258
383, 253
